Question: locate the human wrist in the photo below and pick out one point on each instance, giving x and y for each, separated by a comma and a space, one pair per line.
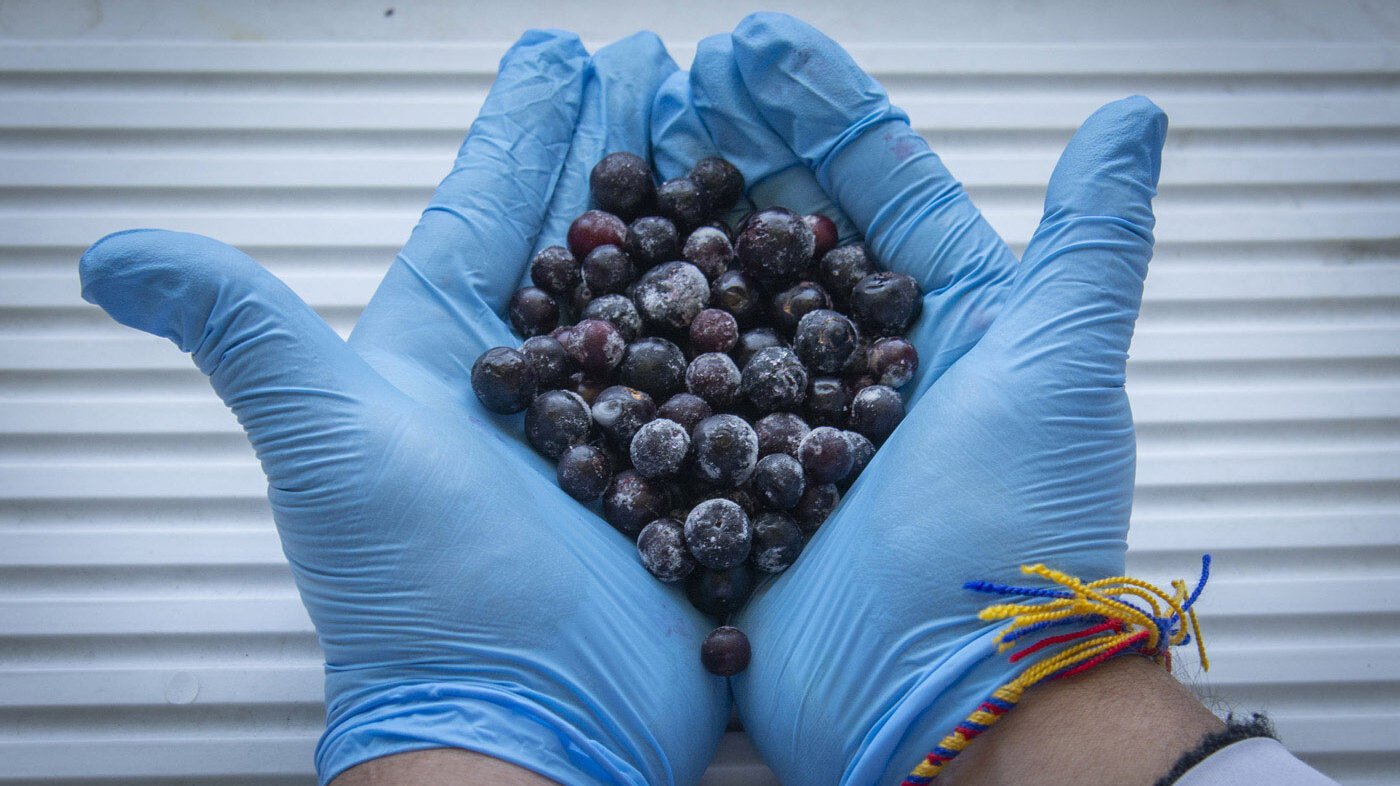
1125, 721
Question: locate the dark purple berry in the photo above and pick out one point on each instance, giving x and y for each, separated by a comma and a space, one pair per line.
555, 271
718, 534
681, 200
580, 297
504, 380
710, 250
659, 448
778, 480
713, 377
714, 330
619, 411
774, 379
862, 451
661, 545
619, 310
608, 270
825, 455
632, 502
751, 342
780, 432
893, 361
654, 240
725, 449
738, 294
840, 269
828, 401
739, 496
857, 365
671, 294
721, 182
584, 471
720, 593
825, 340
777, 542
587, 387
795, 302
816, 504
595, 345
654, 365
533, 312
775, 244
622, 184
887, 303
596, 228
556, 421
686, 409
876, 411
549, 360
824, 230
725, 652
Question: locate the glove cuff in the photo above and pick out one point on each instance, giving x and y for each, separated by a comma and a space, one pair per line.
481, 718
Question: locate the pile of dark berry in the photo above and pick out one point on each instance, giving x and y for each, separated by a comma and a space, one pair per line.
716, 390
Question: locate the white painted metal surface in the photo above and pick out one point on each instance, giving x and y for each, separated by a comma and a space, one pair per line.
149, 627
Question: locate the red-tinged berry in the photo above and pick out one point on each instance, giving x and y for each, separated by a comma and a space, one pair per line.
504, 380
714, 330
725, 652
725, 449
876, 411
596, 228
621, 184
710, 250
886, 303
556, 421
549, 361
824, 230
780, 432
583, 472
533, 312
778, 480
661, 547
555, 271
893, 361
595, 346
721, 182
654, 240
631, 501
775, 244
713, 377
777, 542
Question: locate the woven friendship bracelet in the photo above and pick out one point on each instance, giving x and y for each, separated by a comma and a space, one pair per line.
1112, 624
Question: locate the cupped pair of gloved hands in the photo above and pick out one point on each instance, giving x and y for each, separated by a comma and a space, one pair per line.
463, 600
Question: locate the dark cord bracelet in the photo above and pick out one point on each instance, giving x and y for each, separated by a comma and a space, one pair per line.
1234, 731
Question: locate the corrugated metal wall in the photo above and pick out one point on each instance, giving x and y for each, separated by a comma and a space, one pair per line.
149, 628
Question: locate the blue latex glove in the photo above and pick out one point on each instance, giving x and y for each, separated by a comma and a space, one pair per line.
1018, 445
462, 599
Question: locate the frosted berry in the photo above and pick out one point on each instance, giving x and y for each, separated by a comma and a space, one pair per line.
671, 294
533, 311
595, 346
893, 361
619, 310
780, 432
632, 501
840, 269
556, 421
795, 302
876, 411
825, 340
607, 270
778, 481
713, 377
725, 449
549, 360
736, 293
584, 471
887, 303
555, 271
709, 249
661, 546
621, 184
720, 593
595, 228
720, 181
718, 534
825, 455
774, 379
714, 330
751, 342
654, 365
659, 448
681, 200
775, 244
817, 502
619, 411
777, 542
824, 230
654, 240
862, 451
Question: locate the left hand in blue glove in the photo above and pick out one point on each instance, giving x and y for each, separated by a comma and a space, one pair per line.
462, 599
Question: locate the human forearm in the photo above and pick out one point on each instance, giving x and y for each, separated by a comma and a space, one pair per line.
438, 767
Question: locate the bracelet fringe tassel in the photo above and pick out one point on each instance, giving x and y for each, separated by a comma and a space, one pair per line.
1113, 624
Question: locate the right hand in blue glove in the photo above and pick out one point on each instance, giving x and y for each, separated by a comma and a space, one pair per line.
1018, 444
462, 599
